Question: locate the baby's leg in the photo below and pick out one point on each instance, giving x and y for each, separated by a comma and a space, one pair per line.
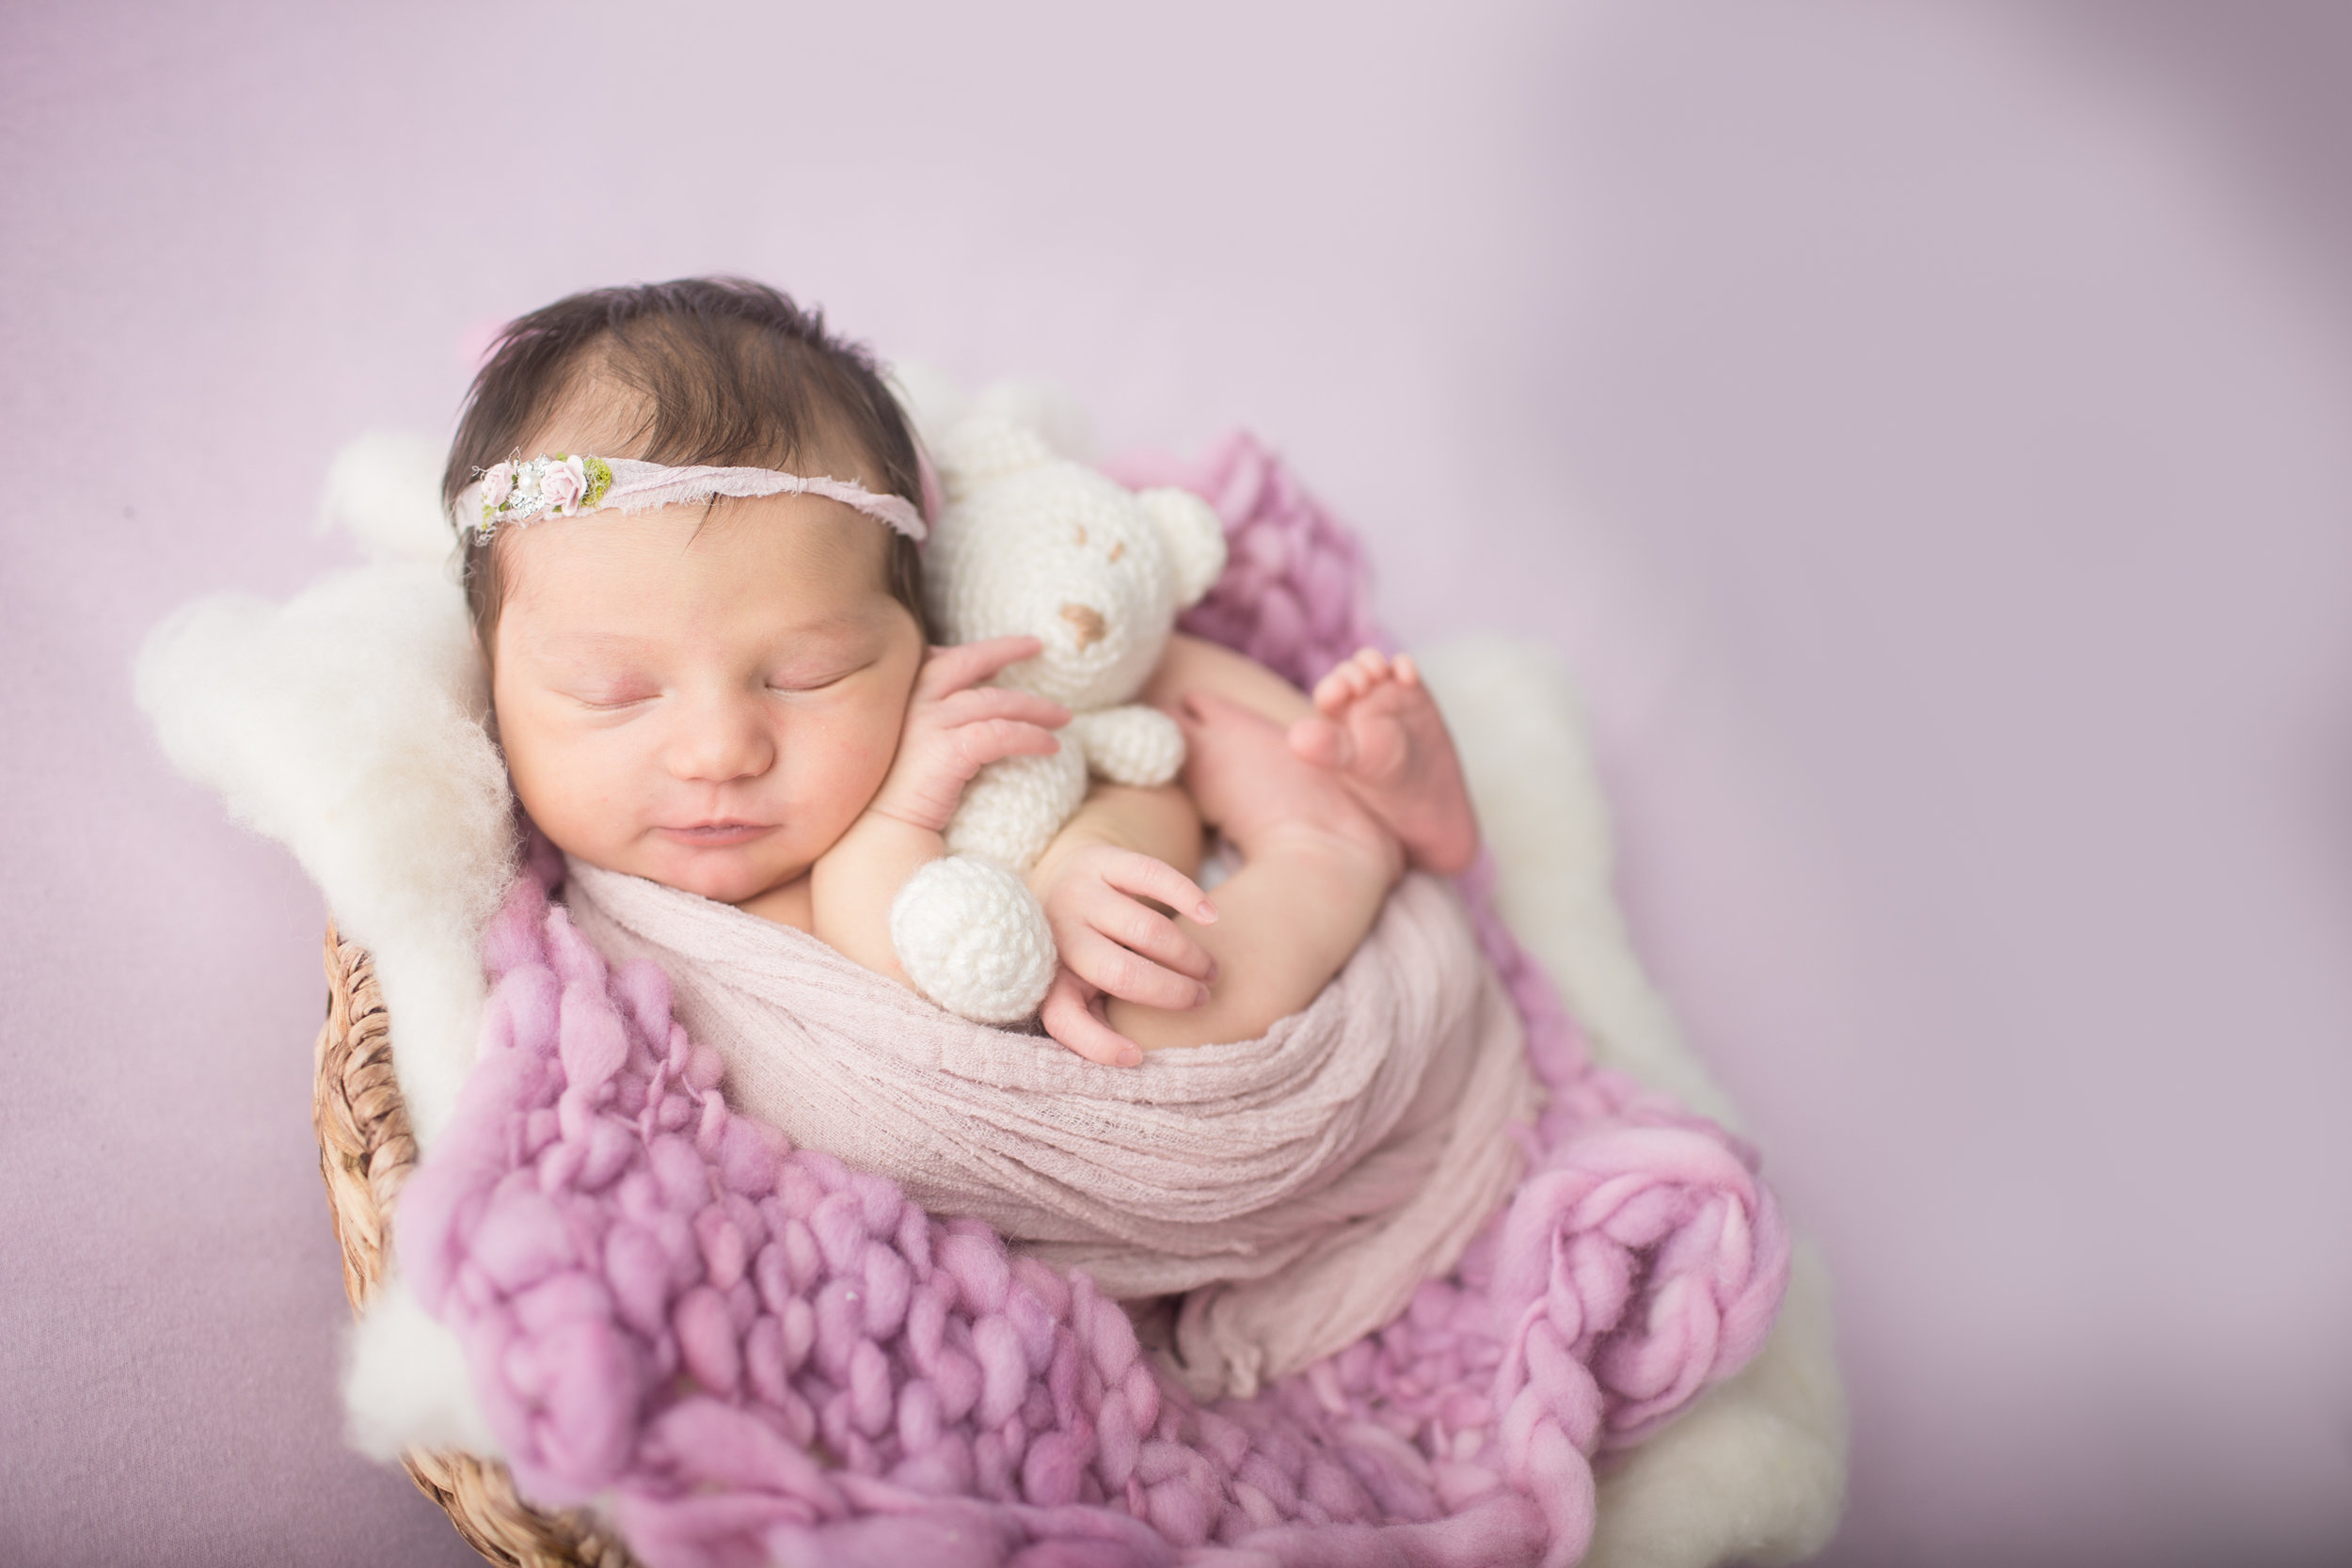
1317, 866
1372, 722
1196, 664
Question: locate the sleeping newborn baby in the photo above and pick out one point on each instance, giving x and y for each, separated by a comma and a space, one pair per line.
692, 520
728, 692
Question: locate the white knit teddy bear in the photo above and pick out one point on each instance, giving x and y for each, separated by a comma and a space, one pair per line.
1029, 542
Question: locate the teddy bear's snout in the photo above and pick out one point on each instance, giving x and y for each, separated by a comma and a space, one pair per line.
1086, 621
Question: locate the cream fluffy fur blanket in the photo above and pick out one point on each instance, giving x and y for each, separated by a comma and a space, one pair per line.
346, 723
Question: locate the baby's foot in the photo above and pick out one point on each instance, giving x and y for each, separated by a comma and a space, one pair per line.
1252, 788
1379, 730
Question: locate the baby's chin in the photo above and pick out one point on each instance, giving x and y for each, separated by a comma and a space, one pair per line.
717, 875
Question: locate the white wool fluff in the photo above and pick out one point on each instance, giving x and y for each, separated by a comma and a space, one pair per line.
1031, 543
346, 723
406, 1385
384, 490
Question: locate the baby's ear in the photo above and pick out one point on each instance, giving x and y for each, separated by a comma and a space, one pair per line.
1194, 540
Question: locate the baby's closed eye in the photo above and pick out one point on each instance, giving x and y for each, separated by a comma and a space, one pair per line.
815, 677
613, 696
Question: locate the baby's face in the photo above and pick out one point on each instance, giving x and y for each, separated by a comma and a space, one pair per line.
704, 699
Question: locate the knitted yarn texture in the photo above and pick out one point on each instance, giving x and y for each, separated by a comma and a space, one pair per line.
751, 1353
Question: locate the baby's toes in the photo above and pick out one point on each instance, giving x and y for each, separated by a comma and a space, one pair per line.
1350, 681
1389, 705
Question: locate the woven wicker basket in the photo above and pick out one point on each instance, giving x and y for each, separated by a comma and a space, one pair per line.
365, 1153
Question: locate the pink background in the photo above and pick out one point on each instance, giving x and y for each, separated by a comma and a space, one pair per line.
1924, 428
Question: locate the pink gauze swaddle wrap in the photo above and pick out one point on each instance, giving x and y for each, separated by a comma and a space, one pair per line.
748, 1352
1300, 1185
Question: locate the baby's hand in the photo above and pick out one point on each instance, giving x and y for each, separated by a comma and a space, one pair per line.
955, 726
1114, 944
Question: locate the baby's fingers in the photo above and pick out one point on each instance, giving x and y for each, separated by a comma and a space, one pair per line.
967, 664
997, 702
1127, 975
1147, 932
1146, 876
1074, 1024
993, 740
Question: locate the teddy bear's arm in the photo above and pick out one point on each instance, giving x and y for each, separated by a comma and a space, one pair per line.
1130, 745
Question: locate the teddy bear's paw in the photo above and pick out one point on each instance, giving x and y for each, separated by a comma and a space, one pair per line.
1131, 745
972, 938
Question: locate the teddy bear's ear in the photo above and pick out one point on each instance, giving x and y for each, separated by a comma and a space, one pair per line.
1194, 540
930, 398
1058, 418
984, 446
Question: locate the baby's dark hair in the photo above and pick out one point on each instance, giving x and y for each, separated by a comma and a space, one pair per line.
731, 372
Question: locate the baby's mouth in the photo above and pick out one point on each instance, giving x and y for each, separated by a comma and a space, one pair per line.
713, 835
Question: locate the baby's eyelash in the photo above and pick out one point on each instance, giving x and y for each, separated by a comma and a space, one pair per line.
818, 685
611, 702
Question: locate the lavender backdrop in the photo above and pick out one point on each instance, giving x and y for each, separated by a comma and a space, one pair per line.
1924, 427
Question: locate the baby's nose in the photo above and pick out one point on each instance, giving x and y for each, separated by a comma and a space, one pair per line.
723, 742
1086, 621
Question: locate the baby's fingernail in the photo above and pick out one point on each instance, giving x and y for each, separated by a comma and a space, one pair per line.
1131, 1058
1213, 972
1206, 913
1203, 999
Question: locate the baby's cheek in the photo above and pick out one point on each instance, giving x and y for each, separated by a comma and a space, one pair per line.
861, 754
564, 787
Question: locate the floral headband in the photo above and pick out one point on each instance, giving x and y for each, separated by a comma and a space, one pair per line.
566, 485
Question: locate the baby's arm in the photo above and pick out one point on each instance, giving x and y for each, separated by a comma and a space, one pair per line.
953, 727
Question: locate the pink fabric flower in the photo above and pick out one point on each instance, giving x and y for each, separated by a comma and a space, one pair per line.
497, 482
562, 484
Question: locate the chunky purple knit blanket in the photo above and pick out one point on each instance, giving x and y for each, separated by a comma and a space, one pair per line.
747, 1353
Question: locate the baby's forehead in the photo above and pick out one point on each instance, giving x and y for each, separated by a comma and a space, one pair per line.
777, 542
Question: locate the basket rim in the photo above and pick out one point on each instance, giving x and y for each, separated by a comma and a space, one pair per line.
367, 1150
